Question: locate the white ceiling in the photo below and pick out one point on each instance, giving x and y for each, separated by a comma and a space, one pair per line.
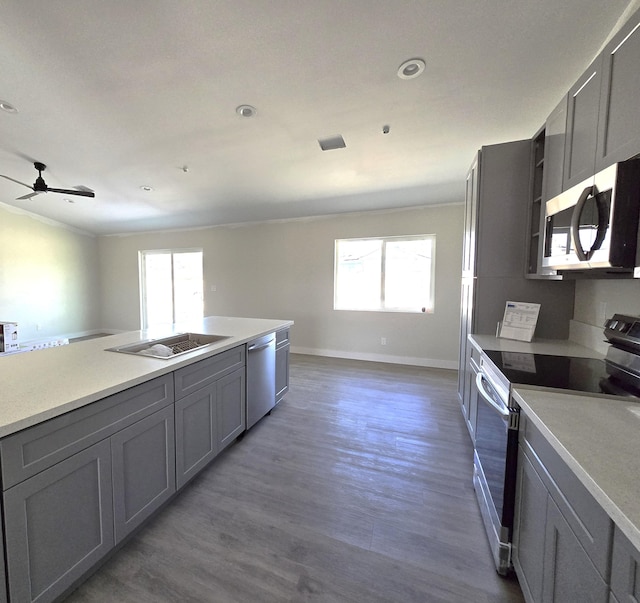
116, 95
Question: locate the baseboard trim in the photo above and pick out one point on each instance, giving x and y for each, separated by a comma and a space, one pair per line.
388, 359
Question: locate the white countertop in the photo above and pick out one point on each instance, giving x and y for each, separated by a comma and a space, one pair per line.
598, 438
43, 384
553, 347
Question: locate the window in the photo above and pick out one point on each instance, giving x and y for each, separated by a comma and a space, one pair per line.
390, 274
171, 286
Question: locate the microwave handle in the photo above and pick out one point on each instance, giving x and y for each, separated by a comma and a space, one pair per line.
603, 223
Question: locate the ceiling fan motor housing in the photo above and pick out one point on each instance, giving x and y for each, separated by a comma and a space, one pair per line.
40, 186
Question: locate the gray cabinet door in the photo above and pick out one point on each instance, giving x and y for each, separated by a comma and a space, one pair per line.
625, 569
3, 576
554, 143
58, 524
569, 574
529, 530
282, 371
196, 432
143, 462
472, 191
231, 407
466, 322
618, 125
582, 126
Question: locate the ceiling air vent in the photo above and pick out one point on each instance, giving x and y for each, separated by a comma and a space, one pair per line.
335, 142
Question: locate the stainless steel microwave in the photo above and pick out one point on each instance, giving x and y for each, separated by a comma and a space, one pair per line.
594, 225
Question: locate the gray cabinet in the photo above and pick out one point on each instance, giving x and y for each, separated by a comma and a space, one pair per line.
230, 407
625, 569
618, 124
602, 109
3, 575
61, 497
547, 171
211, 417
494, 252
568, 574
58, 524
196, 439
554, 143
562, 536
32, 450
143, 466
282, 364
530, 522
582, 126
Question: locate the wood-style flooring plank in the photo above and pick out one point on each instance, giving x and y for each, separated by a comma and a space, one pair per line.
357, 488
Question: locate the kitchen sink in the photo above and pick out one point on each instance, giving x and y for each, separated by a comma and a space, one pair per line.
169, 347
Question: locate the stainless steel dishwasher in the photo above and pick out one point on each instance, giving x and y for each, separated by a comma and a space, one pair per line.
261, 377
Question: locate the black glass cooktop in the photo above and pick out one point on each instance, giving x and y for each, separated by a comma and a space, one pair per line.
559, 372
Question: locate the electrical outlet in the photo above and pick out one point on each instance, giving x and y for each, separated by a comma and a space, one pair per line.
383, 341
214, 288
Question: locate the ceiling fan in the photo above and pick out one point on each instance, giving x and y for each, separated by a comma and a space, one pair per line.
40, 186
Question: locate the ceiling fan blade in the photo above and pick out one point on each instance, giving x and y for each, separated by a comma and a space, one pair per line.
16, 181
66, 191
29, 196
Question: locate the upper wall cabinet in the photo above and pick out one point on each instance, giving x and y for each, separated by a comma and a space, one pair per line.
555, 133
619, 123
582, 126
602, 110
546, 182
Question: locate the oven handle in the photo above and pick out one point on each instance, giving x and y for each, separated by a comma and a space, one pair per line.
502, 411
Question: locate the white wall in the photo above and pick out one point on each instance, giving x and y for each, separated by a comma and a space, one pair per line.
48, 277
285, 270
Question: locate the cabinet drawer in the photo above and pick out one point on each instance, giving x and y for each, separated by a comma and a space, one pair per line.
199, 374
32, 450
282, 337
587, 519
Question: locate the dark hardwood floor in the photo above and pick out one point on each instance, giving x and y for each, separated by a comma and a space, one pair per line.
357, 488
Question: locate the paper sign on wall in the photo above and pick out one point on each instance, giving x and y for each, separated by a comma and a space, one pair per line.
519, 322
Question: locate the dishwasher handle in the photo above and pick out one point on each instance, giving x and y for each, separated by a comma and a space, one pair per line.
256, 348
503, 411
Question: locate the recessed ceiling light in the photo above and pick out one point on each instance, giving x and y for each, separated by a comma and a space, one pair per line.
146, 188
411, 69
8, 107
246, 111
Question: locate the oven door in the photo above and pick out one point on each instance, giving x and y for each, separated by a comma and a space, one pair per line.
495, 457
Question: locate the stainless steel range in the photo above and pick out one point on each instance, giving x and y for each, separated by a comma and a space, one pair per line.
496, 435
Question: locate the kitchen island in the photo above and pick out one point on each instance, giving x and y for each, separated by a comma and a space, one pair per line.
43, 384
93, 442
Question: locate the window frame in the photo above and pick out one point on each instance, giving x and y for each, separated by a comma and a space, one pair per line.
142, 279
428, 307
